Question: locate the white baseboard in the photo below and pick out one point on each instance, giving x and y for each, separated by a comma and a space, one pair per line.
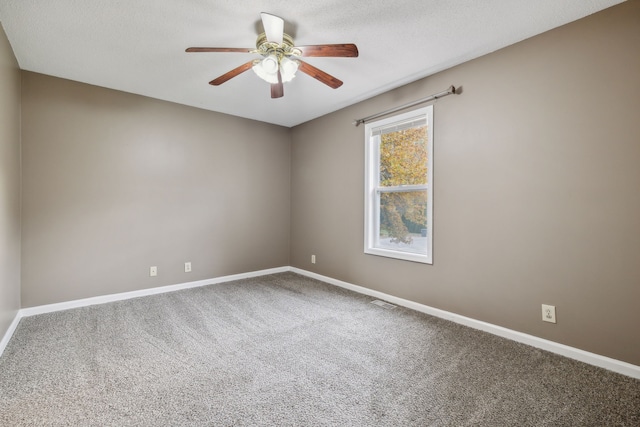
49, 308
564, 350
7, 335
554, 347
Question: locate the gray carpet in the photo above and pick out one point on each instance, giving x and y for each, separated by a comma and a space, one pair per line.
286, 350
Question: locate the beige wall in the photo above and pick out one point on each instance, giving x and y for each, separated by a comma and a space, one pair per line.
537, 194
9, 185
115, 183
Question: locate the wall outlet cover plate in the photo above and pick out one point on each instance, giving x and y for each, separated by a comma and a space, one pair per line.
549, 313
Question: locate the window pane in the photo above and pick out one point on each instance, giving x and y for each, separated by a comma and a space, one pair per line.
403, 157
403, 221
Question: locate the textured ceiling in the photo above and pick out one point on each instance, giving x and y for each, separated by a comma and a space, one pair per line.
138, 46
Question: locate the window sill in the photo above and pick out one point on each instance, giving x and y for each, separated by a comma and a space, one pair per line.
405, 256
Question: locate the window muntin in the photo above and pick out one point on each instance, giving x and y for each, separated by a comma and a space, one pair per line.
399, 186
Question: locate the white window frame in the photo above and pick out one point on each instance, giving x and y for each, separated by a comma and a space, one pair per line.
372, 190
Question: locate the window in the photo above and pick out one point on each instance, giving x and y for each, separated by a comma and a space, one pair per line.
399, 186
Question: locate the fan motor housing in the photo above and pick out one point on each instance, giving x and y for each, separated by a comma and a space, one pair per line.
265, 48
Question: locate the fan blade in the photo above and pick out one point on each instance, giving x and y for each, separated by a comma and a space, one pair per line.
319, 75
335, 50
231, 74
277, 89
273, 27
220, 49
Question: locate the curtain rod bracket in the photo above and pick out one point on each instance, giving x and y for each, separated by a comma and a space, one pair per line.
450, 91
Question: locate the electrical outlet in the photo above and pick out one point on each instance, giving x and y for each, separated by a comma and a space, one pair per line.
549, 313
187, 267
313, 259
153, 271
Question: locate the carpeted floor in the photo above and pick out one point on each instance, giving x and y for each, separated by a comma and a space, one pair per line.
286, 350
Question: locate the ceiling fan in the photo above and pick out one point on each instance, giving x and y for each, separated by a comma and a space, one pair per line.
280, 62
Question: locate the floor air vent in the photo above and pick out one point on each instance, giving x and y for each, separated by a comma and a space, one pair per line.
383, 304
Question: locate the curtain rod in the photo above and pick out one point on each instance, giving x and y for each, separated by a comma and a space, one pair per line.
451, 90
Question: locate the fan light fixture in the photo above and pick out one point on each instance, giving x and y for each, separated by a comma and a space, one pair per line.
267, 68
